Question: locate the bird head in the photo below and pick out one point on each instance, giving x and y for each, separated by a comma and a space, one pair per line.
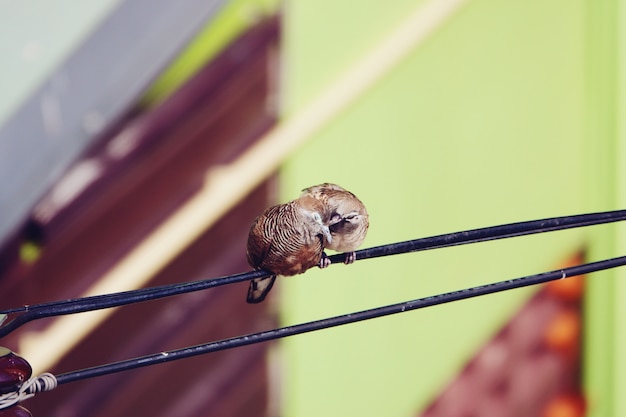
348, 222
317, 216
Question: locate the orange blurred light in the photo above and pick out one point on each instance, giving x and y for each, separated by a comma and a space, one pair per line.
563, 332
568, 405
568, 289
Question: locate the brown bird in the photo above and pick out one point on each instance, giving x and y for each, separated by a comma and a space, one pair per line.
287, 239
348, 218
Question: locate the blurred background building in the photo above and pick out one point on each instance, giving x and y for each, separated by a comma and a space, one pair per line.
139, 139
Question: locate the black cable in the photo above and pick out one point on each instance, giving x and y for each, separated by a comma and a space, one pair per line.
79, 305
338, 320
98, 302
490, 233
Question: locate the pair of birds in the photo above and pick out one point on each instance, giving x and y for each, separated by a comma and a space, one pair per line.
287, 239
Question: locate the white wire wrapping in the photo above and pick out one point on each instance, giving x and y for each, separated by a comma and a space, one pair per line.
43, 382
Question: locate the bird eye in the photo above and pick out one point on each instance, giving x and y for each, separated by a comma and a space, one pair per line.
317, 217
350, 216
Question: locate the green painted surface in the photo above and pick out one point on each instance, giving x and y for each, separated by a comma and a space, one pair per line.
620, 139
325, 37
605, 331
481, 125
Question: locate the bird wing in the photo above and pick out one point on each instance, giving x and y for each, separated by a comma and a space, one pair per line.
259, 245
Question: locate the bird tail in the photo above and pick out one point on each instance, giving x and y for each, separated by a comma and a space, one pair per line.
259, 288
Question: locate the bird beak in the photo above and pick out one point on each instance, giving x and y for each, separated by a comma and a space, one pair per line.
336, 218
327, 235
325, 229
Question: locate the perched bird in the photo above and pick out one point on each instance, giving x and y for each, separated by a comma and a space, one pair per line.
287, 239
348, 218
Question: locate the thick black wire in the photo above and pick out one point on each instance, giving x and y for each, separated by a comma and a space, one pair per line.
338, 320
79, 305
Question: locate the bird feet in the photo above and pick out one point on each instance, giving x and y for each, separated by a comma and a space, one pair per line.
350, 258
325, 261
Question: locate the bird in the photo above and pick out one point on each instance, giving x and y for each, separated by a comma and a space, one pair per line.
286, 239
348, 219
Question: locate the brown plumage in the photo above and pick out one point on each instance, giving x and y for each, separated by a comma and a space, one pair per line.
287, 239
348, 218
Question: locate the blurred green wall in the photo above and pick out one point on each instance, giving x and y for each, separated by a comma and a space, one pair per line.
485, 122
605, 326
